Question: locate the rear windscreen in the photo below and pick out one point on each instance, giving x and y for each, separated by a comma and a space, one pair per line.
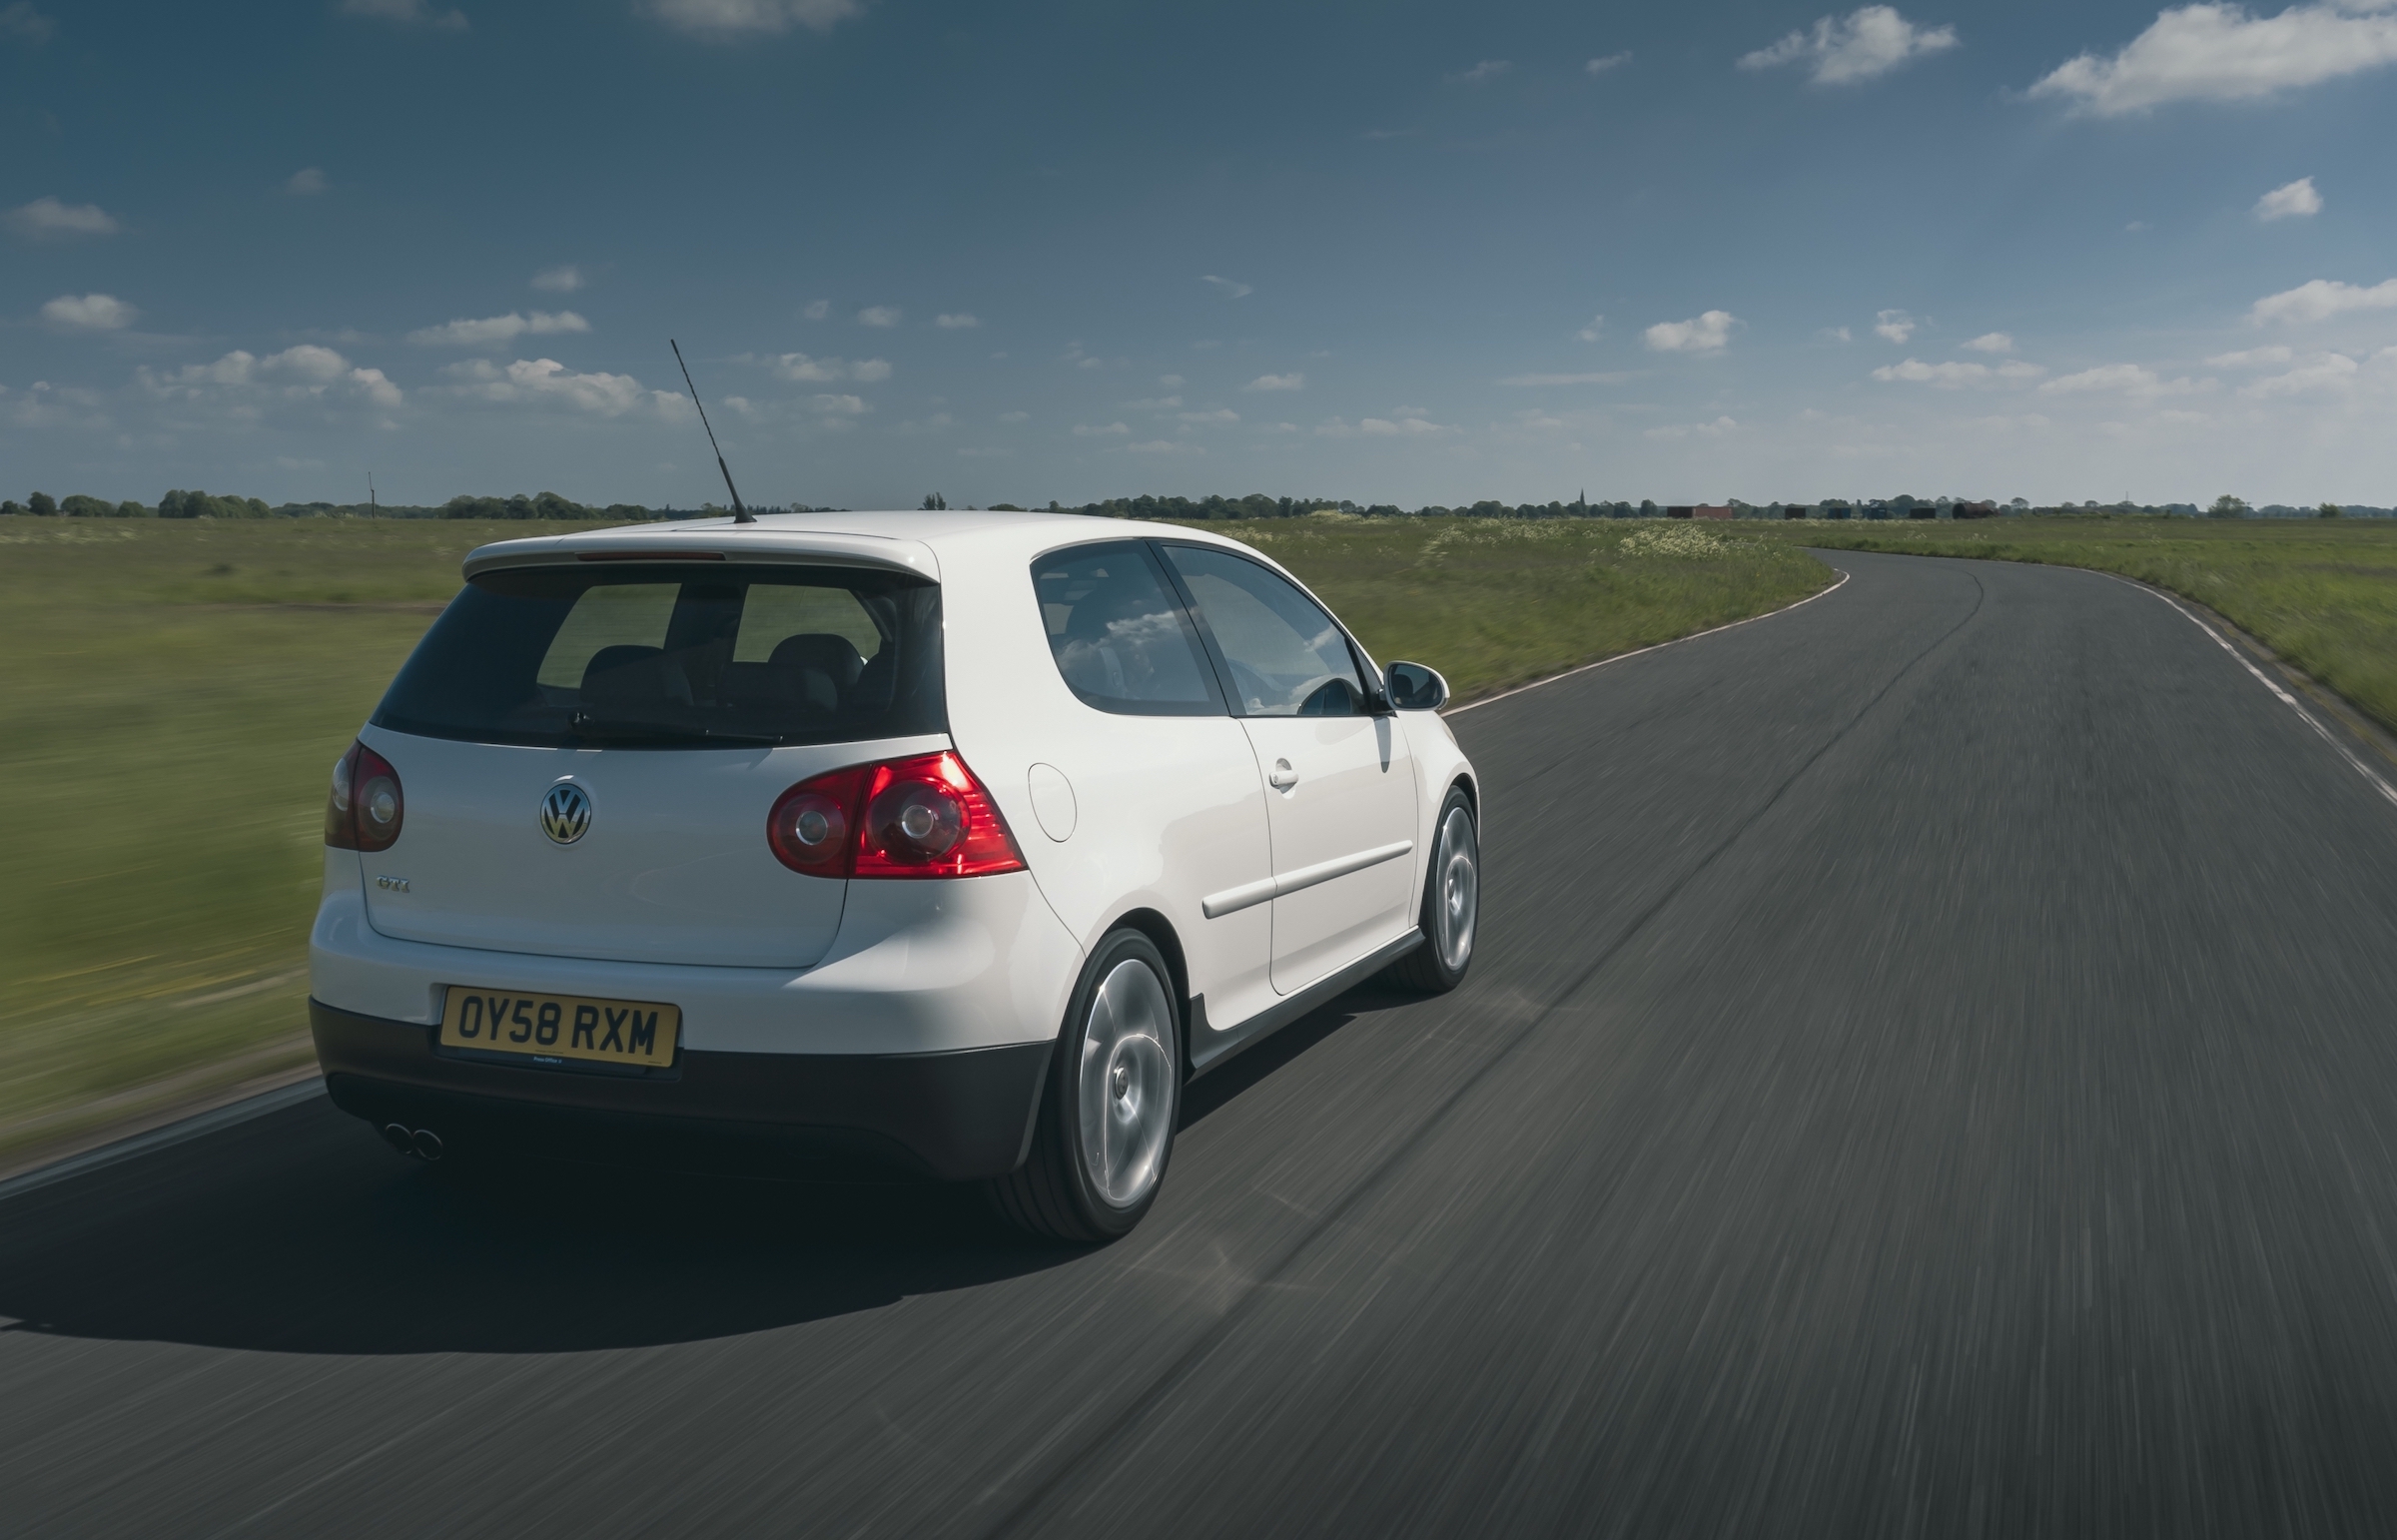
676, 655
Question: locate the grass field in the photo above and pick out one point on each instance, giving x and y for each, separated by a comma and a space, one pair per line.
177, 693
2320, 592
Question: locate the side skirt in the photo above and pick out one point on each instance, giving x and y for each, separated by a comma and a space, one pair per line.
1290, 1007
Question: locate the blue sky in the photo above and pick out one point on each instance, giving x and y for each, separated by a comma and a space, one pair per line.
1390, 252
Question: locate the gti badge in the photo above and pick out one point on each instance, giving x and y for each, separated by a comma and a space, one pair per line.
565, 812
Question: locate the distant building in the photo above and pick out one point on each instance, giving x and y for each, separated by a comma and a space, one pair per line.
1796, 510
1678, 511
1706, 510
1975, 510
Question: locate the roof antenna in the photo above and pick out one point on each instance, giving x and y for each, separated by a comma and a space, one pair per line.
740, 515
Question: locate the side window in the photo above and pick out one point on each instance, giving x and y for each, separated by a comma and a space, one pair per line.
1119, 634
1288, 657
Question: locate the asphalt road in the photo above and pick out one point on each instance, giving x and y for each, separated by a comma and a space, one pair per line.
1929, 1070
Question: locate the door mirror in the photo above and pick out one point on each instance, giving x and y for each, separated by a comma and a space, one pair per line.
1413, 687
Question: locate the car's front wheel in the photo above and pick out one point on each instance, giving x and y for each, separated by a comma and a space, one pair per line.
1114, 1095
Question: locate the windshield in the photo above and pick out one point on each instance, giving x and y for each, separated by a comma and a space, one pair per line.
676, 655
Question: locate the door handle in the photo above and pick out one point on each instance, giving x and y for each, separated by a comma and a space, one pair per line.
1283, 777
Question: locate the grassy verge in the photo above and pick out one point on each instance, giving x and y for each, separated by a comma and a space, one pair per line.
176, 694
1497, 602
2320, 592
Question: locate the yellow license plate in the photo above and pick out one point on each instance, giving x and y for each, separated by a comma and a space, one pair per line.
559, 1026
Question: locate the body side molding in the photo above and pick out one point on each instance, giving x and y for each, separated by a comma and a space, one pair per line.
1233, 900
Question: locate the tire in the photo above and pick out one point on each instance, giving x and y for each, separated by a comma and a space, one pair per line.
1451, 910
1109, 1108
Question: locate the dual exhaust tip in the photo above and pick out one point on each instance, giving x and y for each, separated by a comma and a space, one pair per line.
422, 1143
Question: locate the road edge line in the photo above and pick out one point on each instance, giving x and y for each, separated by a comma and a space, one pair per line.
1583, 668
2354, 760
179, 1131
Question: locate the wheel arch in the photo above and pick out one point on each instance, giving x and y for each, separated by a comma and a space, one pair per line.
1160, 931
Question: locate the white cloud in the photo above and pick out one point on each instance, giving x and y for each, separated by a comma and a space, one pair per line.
1837, 333
2324, 372
21, 23
1843, 50
48, 218
2322, 298
1945, 376
559, 280
799, 366
1715, 429
306, 182
957, 321
547, 381
1230, 290
840, 406
1897, 326
2218, 53
236, 368
1594, 330
1169, 381
1611, 61
1154, 404
1535, 380
2250, 358
879, 316
2129, 378
499, 329
2297, 200
1289, 381
312, 371
1219, 414
1015, 417
2016, 368
1486, 71
322, 367
308, 362
1089, 430
89, 313
1991, 342
1405, 427
1709, 333
730, 20
1164, 446
815, 310
414, 13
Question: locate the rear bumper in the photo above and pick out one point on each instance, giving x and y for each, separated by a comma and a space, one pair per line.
953, 1115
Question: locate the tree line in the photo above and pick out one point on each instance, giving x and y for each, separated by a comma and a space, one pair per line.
178, 503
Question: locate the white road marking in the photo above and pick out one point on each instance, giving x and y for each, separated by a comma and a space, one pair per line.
194, 1126
1660, 646
2264, 679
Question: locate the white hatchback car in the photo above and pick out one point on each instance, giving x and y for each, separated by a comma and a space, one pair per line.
956, 840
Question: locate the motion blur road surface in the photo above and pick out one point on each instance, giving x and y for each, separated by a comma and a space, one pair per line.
1930, 1069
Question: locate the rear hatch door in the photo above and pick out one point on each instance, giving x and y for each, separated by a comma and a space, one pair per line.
588, 751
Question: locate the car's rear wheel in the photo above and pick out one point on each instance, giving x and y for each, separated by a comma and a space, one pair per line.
1113, 1096
1451, 913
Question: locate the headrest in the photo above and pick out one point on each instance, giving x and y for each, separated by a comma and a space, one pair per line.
623, 675
834, 656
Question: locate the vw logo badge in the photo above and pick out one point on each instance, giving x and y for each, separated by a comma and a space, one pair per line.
565, 812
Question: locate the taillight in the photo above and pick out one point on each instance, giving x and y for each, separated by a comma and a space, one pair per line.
364, 808
924, 816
